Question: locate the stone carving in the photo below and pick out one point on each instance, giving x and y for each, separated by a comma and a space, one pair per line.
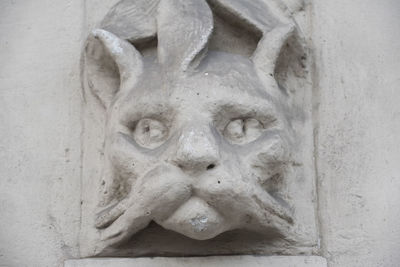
198, 136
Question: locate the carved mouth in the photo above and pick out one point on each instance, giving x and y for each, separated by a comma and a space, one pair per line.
196, 219
200, 208
221, 202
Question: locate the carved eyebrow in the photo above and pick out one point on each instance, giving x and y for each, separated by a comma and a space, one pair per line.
247, 104
161, 111
225, 111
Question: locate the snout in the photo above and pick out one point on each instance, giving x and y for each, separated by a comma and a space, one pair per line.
196, 150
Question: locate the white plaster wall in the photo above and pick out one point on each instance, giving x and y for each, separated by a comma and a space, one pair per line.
40, 106
358, 142
357, 96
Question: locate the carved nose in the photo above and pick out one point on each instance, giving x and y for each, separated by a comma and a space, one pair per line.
197, 150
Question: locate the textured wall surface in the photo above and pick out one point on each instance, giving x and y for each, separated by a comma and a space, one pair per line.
40, 106
127, 160
357, 119
358, 62
220, 261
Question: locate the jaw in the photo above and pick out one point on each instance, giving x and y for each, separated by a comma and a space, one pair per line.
197, 220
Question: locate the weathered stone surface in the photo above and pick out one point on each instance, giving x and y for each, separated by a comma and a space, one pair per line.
356, 118
198, 139
227, 261
40, 131
358, 141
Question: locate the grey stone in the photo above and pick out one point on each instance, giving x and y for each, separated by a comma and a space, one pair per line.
199, 139
221, 261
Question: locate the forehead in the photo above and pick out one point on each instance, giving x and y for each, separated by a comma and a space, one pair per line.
220, 78
223, 75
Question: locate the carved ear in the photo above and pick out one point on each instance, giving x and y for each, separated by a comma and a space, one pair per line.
271, 20
111, 64
269, 48
184, 27
279, 53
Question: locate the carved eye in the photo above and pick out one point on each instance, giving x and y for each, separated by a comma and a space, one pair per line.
150, 133
241, 131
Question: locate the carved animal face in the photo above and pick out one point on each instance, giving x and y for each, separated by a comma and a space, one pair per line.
216, 131
195, 142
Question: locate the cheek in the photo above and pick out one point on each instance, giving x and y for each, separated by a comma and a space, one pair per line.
270, 151
125, 157
269, 159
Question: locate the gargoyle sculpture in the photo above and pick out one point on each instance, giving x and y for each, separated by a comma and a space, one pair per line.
197, 140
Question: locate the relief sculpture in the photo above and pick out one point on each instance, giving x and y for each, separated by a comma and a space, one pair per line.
199, 137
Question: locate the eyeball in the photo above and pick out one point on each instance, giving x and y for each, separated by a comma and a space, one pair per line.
241, 131
150, 133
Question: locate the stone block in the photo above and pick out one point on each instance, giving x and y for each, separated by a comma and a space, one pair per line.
220, 261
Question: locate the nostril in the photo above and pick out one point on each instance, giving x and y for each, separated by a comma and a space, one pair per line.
211, 166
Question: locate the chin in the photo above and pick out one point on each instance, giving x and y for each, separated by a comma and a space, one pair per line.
197, 220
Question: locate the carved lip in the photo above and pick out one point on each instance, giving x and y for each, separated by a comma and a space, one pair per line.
196, 219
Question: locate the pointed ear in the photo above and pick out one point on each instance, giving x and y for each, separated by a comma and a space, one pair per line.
184, 27
111, 64
273, 19
269, 48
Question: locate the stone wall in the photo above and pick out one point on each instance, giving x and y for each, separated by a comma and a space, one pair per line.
40, 131
358, 123
356, 115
